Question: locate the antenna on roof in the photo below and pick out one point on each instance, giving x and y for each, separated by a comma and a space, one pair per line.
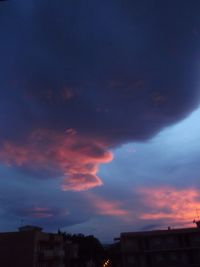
197, 213
198, 218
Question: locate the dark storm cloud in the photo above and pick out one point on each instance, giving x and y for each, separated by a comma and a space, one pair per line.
111, 71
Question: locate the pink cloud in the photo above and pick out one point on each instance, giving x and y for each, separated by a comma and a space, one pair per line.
172, 204
77, 157
81, 181
107, 207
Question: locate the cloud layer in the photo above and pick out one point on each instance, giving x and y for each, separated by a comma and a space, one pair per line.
73, 157
113, 71
171, 205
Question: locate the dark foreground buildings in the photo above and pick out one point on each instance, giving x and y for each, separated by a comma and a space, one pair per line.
159, 248
30, 247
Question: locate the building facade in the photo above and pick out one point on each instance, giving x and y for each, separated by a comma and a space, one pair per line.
166, 248
30, 247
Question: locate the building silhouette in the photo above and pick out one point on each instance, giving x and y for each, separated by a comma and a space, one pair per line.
30, 247
166, 248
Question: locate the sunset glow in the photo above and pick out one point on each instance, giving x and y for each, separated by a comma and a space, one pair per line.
175, 205
99, 115
76, 157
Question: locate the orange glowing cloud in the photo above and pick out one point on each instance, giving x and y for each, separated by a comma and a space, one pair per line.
107, 207
176, 205
76, 157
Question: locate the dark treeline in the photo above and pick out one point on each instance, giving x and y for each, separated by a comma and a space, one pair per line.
88, 249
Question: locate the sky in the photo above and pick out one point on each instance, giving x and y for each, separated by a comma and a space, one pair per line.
99, 115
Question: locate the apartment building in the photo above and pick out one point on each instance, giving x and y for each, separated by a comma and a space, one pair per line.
166, 248
30, 247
